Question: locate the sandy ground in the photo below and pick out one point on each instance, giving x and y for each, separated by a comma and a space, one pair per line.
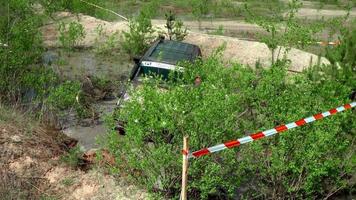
94, 185
313, 13
31, 168
245, 52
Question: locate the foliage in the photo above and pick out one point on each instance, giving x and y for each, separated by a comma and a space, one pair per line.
68, 181
336, 3
179, 30
175, 28
342, 58
64, 96
284, 33
267, 8
219, 31
73, 157
38, 81
70, 35
18, 30
199, 9
170, 18
79, 6
107, 44
344, 52
307, 162
26, 80
139, 36
225, 8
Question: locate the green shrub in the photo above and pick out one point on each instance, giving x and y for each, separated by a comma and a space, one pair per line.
200, 8
219, 31
39, 79
68, 181
69, 95
73, 157
78, 6
342, 56
284, 31
71, 35
139, 36
109, 46
64, 96
232, 102
175, 27
19, 31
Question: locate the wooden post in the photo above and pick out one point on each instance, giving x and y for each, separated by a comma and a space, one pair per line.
185, 168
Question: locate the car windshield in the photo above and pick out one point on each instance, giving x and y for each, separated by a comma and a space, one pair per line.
172, 52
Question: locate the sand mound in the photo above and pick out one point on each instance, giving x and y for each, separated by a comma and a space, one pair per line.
250, 52
242, 51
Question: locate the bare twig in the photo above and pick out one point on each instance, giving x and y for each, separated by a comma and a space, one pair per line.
241, 114
331, 194
38, 189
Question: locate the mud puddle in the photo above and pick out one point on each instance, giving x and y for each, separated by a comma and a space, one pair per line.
76, 65
88, 131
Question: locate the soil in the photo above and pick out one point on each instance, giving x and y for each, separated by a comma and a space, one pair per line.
31, 166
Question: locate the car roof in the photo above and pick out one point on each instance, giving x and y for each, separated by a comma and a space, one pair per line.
171, 52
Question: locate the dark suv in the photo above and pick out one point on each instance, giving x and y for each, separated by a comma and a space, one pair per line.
161, 58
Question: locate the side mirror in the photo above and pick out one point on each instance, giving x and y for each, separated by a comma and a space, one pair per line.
136, 59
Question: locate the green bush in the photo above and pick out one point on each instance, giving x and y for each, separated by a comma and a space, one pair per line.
342, 56
137, 40
175, 27
19, 31
64, 96
219, 31
78, 6
73, 157
306, 162
284, 32
70, 35
69, 95
107, 45
200, 8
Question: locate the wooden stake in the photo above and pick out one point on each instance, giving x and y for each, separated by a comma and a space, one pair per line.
185, 168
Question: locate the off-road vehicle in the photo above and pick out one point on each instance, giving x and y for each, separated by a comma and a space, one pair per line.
160, 59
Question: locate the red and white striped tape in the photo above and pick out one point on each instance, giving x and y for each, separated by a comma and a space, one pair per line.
270, 132
329, 43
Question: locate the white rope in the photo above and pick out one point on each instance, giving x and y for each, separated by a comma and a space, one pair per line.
105, 9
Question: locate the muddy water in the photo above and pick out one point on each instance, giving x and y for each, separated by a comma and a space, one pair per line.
76, 65
88, 131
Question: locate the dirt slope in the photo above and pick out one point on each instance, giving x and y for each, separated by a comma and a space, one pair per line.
245, 52
31, 168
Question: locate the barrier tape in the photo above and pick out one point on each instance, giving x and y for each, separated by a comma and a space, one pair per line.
336, 43
270, 132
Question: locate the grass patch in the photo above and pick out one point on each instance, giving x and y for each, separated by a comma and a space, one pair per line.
68, 181
183, 8
73, 157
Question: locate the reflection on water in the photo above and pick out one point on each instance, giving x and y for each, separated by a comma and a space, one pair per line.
74, 66
86, 131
